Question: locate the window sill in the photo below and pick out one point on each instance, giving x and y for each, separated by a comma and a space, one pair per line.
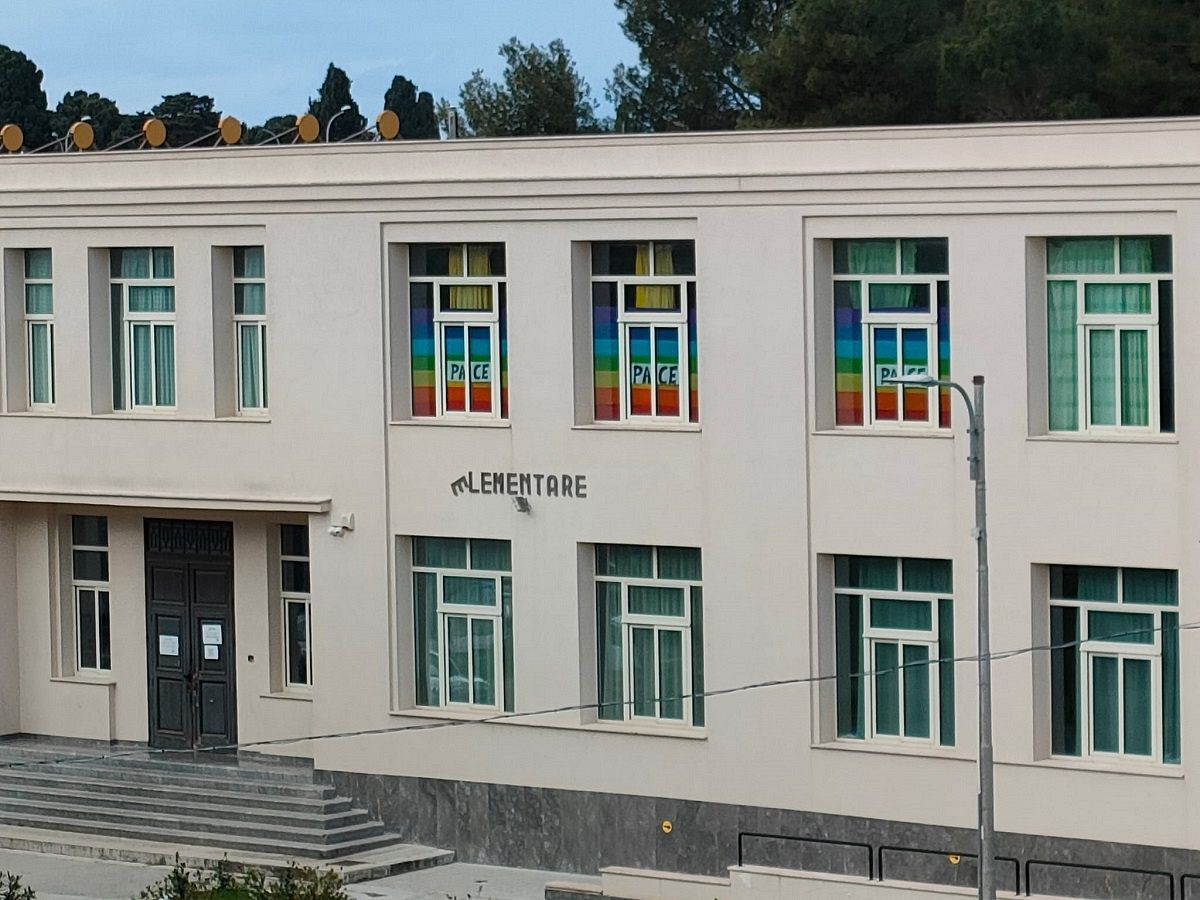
434, 422
532, 721
98, 680
924, 433
929, 751
249, 419
1149, 770
684, 428
292, 694
1092, 437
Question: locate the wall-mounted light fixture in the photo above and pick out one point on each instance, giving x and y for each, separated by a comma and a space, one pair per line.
342, 525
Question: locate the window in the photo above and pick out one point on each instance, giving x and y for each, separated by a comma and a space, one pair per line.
650, 634
891, 301
1109, 316
644, 331
1114, 663
458, 307
250, 323
143, 327
462, 611
89, 584
39, 327
297, 605
894, 624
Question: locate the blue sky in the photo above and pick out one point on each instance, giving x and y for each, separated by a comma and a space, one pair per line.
266, 57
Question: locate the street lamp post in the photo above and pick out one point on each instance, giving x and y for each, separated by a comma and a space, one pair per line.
332, 119
987, 787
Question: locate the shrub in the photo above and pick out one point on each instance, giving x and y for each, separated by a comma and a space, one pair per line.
220, 883
10, 888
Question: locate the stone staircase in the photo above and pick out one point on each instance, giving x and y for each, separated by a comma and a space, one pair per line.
249, 805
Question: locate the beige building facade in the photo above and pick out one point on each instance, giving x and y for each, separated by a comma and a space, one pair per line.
536, 459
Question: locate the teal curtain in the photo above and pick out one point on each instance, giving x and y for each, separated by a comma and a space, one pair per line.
1062, 352
911, 615
697, 656
1064, 681
609, 651
129, 262
887, 688
483, 662
1084, 583
251, 365
1129, 299
142, 374
892, 297
1080, 256
946, 673
679, 563
625, 560
642, 676
441, 553
38, 264
927, 576
1120, 627
1102, 376
875, 572
1105, 708
425, 630
164, 262
39, 299
1137, 707
469, 591
151, 299
458, 649
656, 601
117, 332
506, 626
250, 299
41, 363
670, 674
867, 257
1135, 378
916, 691
248, 262
1170, 686
1150, 586
924, 256
848, 640
491, 556
1146, 254
164, 365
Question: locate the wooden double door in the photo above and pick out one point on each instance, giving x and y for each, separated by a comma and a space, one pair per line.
189, 634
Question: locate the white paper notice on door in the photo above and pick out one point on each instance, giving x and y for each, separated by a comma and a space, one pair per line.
212, 651
168, 645
210, 633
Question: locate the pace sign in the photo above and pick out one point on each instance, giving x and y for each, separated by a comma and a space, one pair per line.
521, 484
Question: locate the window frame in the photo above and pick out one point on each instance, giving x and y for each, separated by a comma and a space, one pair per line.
155, 321
901, 638
97, 588
33, 321
258, 323
302, 598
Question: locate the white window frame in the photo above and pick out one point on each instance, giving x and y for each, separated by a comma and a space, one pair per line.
78, 585
259, 323
465, 319
901, 637
627, 320
32, 320
304, 598
155, 320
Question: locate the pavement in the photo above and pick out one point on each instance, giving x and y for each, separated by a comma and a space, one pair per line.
63, 877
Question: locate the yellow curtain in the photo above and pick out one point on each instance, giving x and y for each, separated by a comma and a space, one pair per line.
664, 262
655, 296
471, 297
478, 260
641, 262
455, 252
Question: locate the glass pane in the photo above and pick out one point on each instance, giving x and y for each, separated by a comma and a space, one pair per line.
670, 674
679, 562
877, 572
697, 655
1150, 586
640, 373
248, 262
426, 638
867, 257
912, 615
610, 653
295, 576
927, 576
297, 643
116, 306
946, 673
655, 601
675, 258
1080, 256
89, 531
1146, 254
466, 297
164, 262
479, 348
1166, 357
143, 375
883, 346
916, 691
250, 299
1135, 378
470, 591
129, 262
849, 628
1062, 363
924, 256
1170, 686
491, 556
887, 689
643, 671
38, 264
143, 298
90, 565
250, 359
88, 652
104, 634
293, 540
627, 560
39, 299
848, 351
620, 258
1102, 376
479, 260
483, 650
1122, 627
444, 553
1137, 707
457, 660
506, 620
41, 363
454, 365
1083, 583
666, 370
1064, 680
652, 298
1116, 298
431, 260
1105, 710
914, 345
164, 365
898, 298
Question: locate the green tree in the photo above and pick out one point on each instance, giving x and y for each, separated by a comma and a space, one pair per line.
541, 93
333, 95
418, 118
22, 99
102, 114
273, 126
851, 62
1152, 64
187, 117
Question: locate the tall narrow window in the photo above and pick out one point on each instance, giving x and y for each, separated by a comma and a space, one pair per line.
1109, 319
462, 616
1114, 663
894, 639
89, 584
250, 325
142, 291
39, 327
458, 305
891, 303
650, 634
644, 353
296, 600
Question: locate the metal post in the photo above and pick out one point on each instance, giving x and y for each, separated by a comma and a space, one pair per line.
987, 787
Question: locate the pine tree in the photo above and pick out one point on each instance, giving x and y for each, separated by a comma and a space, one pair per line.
335, 94
22, 99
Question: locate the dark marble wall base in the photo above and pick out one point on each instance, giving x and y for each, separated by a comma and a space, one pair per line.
581, 831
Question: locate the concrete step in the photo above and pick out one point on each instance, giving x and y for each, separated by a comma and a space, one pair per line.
198, 781
209, 765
